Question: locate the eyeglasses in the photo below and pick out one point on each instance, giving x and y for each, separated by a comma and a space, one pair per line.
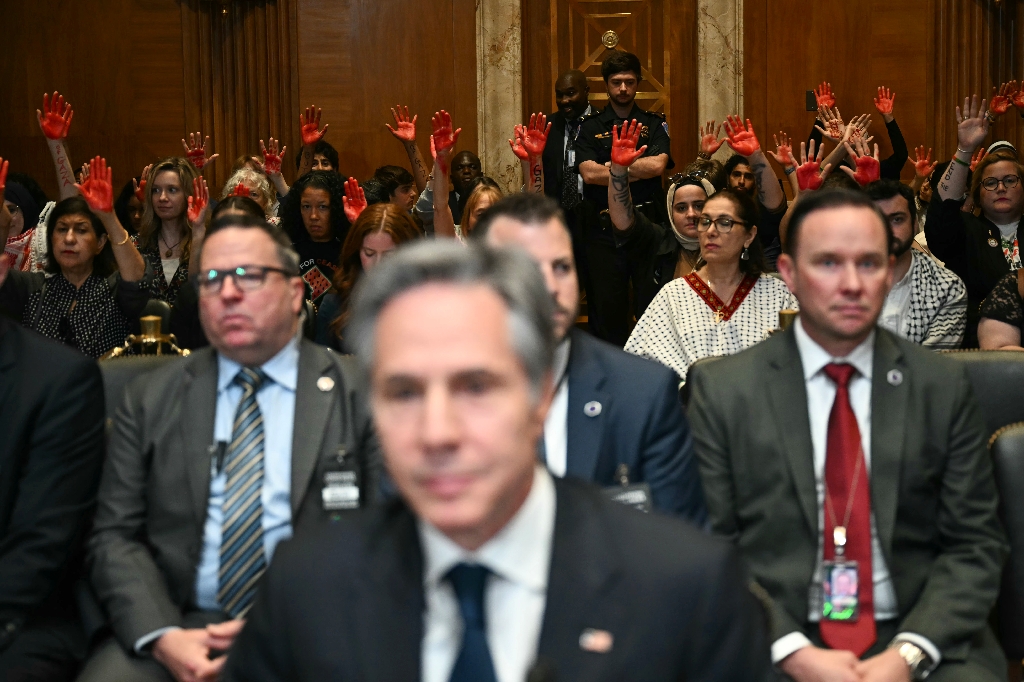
724, 223
247, 278
1009, 182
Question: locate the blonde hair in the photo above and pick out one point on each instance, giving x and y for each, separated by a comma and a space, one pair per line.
257, 184
149, 232
473, 200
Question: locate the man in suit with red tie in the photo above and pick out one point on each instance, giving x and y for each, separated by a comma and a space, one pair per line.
849, 467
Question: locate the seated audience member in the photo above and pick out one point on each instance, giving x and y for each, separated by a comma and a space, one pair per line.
94, 286
484, 193
464, 172
255, 185
1002, 314
313, 216
316, 154
748, 172
215, 459
838, 439
486, 567
24, 212
168, 237
528, 144
129, 207
374, 235
980, 249
185, 323
726, 305
269, 163
661, 253
613, 415
399, 184
927, 303
50, 459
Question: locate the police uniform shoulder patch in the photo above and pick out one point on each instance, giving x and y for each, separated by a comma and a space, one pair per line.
664, 124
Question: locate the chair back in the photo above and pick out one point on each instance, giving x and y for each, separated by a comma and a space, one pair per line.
309, 321
997, 377
1007, 448
117, 372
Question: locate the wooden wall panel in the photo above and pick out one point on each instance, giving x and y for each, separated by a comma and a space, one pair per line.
359, 58
792, 45
566, 34
119, 63
977, 45
240, 84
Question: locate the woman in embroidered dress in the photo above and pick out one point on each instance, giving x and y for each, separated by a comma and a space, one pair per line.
95, 284
726, 304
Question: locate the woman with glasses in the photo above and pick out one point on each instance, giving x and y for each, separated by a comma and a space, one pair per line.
726, 304
981, 247
94, 285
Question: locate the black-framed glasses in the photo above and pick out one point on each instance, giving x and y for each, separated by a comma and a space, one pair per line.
1009, 182
247, 278
723, 223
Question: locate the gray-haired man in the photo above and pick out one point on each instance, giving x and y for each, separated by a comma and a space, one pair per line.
487, 568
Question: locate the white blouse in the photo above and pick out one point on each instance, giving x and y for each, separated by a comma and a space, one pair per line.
680, 326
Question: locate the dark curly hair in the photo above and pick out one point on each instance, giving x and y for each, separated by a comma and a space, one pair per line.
291, 207
103, 264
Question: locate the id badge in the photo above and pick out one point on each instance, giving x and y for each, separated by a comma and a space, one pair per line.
636, 495
840, 584
341, 484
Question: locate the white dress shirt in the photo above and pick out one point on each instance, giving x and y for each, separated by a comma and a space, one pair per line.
821, 394
556, 424
519, 559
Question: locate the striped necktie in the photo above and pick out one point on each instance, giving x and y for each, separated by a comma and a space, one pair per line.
242, 560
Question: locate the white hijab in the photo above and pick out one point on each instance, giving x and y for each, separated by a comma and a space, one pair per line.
688, 243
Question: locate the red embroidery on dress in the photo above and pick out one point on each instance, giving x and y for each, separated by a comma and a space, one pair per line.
720, 308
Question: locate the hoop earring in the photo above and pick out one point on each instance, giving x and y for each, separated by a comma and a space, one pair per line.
746, 254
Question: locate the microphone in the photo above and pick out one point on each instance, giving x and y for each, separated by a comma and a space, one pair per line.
542, 671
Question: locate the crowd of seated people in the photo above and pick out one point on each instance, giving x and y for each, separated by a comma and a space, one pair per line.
445, 474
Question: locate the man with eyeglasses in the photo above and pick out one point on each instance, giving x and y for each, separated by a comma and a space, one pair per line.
215, 459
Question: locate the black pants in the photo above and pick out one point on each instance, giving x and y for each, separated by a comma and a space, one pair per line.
49, 652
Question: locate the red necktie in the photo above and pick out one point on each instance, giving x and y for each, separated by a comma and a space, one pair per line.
843, 457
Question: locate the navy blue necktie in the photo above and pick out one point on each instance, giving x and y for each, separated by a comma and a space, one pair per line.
474, 663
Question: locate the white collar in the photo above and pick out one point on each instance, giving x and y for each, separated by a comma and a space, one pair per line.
520, 552
560, 362
282, 369
814, 357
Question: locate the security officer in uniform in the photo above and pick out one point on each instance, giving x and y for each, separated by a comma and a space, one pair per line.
609, 271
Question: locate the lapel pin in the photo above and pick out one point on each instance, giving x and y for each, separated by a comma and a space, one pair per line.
992, 242
894, 377
592, 409
596, 641
325, 384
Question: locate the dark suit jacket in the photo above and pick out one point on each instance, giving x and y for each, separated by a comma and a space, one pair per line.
641, 425
347, 603
932, 490
554, 156
51, 451
154, 491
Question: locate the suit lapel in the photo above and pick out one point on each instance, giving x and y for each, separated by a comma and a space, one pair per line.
198, 410
390, 609
584, 433
10, 347
890, 390
584, 570
313, 410
789, 406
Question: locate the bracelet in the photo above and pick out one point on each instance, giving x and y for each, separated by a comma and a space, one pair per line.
789, 170
703, 155
127, 236
961, 161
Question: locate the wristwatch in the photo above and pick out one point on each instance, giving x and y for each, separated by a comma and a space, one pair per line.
917, 660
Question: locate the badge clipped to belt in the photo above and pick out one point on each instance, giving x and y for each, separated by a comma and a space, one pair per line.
341, 484
840, 577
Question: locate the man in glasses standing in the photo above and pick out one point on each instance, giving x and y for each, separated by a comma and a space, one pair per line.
215, 459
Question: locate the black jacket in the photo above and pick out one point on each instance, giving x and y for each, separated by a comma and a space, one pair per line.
51, 418
346, 601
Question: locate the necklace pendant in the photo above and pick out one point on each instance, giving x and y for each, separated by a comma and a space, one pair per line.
839, 538
719, 316
168, 253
